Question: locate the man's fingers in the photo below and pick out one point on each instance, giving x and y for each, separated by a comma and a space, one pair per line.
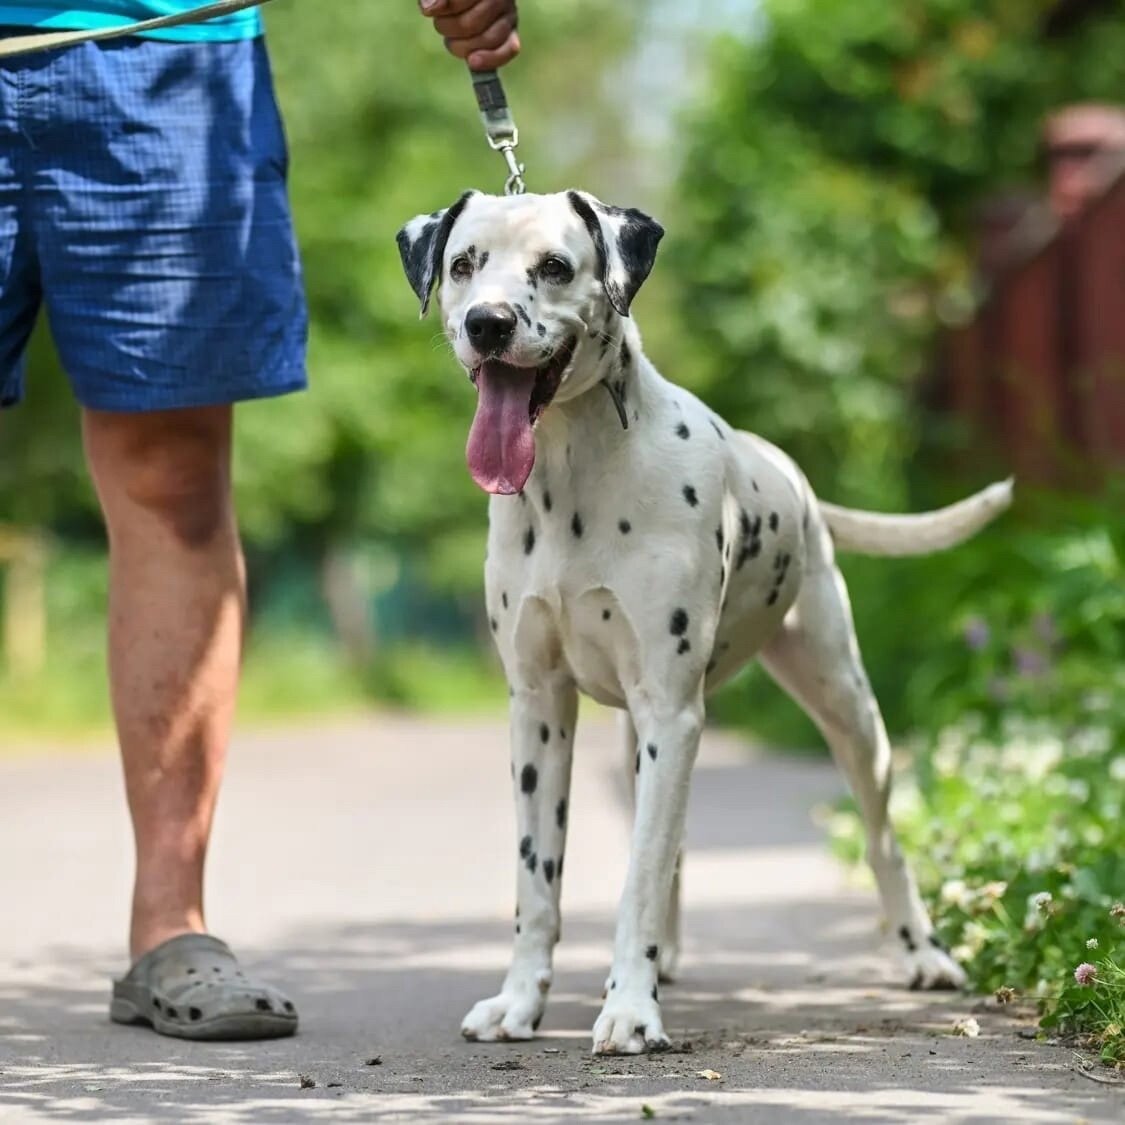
445, 7
473, 21
493, 60
493, 38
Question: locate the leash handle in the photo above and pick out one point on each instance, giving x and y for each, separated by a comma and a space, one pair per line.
27, 44
499, 125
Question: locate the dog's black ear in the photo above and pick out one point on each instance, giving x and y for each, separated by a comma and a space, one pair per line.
625, 240
421, 244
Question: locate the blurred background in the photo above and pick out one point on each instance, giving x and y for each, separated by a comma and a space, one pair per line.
896, 248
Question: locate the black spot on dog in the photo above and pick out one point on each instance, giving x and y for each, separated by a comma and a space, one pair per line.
532, 862
907, 939
683, 646
560, 813
652, 751
678, 623
525, 851
521, 312
626, 355
518, 929
540, 328
624, 526
652, 952
744, 521
606, 615
690, 496
546, 500
560, 868
544, 733
529, 779
612, 985
655, 992
682, 431
471, 254
719, 538
772, 598
637, 763
562, 733
533, 277
715, 427
576, 526
549, 870
493, 624
774, 521
504, 600
529, 541
937, 943
755, 484
483, 260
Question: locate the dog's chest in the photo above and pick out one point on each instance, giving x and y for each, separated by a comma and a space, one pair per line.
661, 554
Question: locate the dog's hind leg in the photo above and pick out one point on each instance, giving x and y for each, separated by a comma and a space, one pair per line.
542, 733
816, 659
670, 942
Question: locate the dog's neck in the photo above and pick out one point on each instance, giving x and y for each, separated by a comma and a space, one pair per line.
614, 388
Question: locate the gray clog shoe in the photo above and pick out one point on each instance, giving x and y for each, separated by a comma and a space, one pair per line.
191, 987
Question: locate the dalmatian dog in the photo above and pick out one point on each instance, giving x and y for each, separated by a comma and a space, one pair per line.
641, 550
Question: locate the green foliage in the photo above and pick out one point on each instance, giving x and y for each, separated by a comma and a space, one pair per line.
833, 166
1015, 812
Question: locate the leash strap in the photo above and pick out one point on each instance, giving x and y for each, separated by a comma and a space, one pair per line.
26, 44
499, 126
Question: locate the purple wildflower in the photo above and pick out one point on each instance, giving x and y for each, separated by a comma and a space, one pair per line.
1030, 662
976, 633
1086, 973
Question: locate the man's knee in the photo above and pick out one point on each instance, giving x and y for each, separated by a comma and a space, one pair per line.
174, 465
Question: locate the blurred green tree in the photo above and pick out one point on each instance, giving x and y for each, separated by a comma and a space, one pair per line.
827, 201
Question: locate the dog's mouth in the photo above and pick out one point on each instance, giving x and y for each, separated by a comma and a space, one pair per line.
510, 400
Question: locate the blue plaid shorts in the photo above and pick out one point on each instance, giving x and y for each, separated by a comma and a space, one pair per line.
143, 203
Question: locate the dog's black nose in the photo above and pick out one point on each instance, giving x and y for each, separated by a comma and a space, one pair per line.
490, 327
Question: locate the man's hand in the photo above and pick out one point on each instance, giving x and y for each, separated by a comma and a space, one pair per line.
481, 31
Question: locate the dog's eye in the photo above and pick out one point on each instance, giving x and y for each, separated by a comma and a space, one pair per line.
461, 269
554, 268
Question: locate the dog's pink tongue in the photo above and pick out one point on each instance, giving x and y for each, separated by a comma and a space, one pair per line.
501, 447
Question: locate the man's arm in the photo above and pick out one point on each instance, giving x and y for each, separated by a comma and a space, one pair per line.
483, 32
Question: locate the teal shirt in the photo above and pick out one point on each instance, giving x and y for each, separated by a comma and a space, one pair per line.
80, 15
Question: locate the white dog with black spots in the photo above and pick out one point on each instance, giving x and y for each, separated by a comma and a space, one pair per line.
641, 550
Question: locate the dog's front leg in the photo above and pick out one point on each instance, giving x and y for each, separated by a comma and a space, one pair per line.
668, 741
542, 731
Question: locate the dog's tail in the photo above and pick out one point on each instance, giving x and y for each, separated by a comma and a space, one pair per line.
871, 533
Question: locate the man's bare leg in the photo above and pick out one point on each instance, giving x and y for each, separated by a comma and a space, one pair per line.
176, 609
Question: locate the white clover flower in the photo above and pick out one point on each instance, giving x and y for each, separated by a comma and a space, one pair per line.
1092, 943
956, 892
1042, 900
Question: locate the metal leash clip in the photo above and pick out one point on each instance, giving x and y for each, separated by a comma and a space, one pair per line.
499, 128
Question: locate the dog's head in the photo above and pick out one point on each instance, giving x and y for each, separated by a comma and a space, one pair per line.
530, 287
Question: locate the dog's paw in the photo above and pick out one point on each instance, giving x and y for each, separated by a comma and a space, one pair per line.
931, 967
629, 1025
513, 1014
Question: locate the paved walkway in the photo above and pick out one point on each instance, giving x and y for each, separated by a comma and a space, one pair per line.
368, 868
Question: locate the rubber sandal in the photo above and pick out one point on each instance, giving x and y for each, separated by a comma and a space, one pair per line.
191, 987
